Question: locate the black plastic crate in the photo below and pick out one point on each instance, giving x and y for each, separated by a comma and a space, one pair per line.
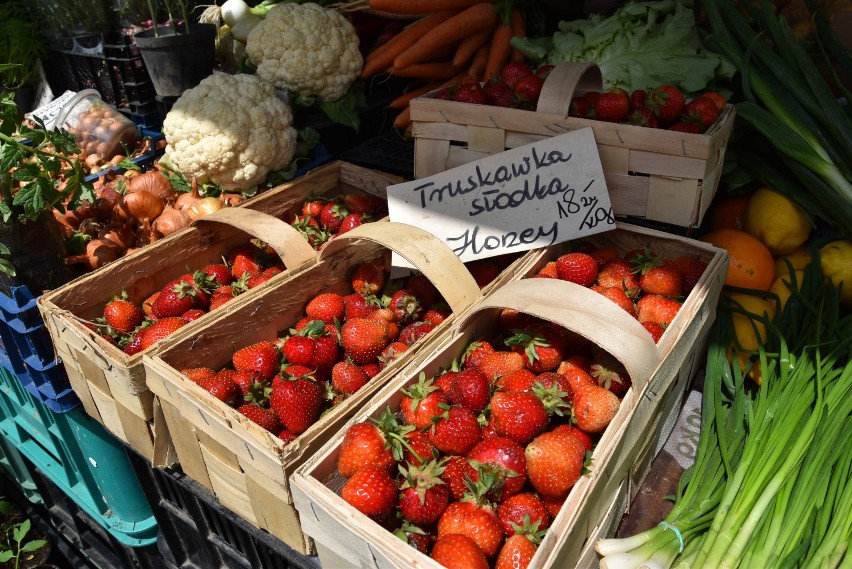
388, 152
197, 532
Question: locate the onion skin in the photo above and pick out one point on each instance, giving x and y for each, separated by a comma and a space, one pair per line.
119, 233
141, 206
98, 253
188, 199
170, 221
204, 206
152, 182
231, 200
108, 200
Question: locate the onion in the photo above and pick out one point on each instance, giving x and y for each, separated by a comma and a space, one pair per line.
119, 233
90, 226
152, 182
187, 199
73, 217
146, 234
170, 220
108, 200
231, 200
202, 207
98, 253
140, 205
233, 11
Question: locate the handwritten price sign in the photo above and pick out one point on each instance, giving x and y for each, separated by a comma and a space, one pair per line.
531, 196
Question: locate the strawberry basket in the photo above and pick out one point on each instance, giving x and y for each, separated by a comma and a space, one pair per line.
650, 173
244, 465
110, 383
345, 537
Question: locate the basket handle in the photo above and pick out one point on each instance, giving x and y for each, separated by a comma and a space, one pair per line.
429, 254
285, 240
566, 80
585, 312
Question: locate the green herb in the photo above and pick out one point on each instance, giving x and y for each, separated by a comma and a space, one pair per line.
13, 541
20, 45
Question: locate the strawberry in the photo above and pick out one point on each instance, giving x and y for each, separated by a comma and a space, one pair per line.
420, 402
499, 94
459, 552
691, 269
332, 215
423, 496
414, 536
542, 347
667, 102
455, 431
372, 492
352, 221
287, 436
522, 508
193, 314
517, 381
555, 462
642, 116
514, 71
436, 314
580, 107
603, 255
638, 98
326, 353
654, 329
419, 447
483, 271
219, 273
255, 279
548, 271
148, 305
310, 229
657, 309
122, 315
362, 203
553, 505
521, 416
517, 552
552, 381
299, 349
313, 208
716, 97
619, 273
504, 460
701, 110
196, 374
223, 388
414, 331
509, 319
327, 307
243, 258
479, 522
593, 406
251, 383
528, 89
470, 93
262, 357
369, 278
134, 343
469, 388
358, 305
174, 299
391, 352
161, 329
364, 444
613, 105
658, 276
297, 400
610, 374
264, 417
422, 288
687, 127
348, 378
474, 353
543, 71
579, 268
458, 473
406, 307
499, 363
363, 340
618, 296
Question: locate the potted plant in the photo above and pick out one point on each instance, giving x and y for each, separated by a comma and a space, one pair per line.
21, 46
21, 545
179, 54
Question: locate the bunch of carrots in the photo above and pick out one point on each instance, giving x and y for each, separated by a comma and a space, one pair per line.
453, 41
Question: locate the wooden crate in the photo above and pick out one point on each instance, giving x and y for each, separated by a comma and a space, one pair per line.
112, 385
246, 467
650, 173
346, 538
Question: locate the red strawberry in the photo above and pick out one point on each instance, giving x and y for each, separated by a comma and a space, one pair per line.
223, 388
297, 400
593, 406
362, 203
610, 374
691, 269
554, 382
358, 305
638, 98
618, 296
470, 93
368, 278
406, 307
251, 383
174, 299
134, 344
299, 349
555, 462
528, 89
702, 110
497, 364
612, 105
542, 347
219, 273
422, 288
348, 378
414, 536
455, 431
513, 71
654, 329
543, 71
196, 374
419, 447
256, 279
521, 416
553, 505
483, 271
363, 340
327, 307
310, 229
478, 522
331, 216
193, 314
313, 207
372, 492
352, 221
642, 116
161, 329
474, 353
436, 314
364, 445
420, 402
503, 460
122, 315
517, 380
577, 268
687, 127
619, 273
264, 417
657, 309
287, 436
262, 357
468, 388
423, 496
499, 94
667, 102
459, 552
521, 508
716, 97
392, 352
517, 552
658, 276
414, 331
548, 271
243, 259
458, 473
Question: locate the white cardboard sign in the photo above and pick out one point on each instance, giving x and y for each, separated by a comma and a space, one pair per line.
527, 197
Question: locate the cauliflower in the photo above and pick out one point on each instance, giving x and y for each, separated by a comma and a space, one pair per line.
309, 50
231, 130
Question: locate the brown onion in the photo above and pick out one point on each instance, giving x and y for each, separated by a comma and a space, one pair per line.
90, 226
140, 205
188, 199
153, 182
231, 200
98, 253
108, 199
169, 221
119, 233
146, 234
73, 217
204, 206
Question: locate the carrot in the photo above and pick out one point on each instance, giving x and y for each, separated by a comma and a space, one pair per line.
468, 21
402, 100
382, 57
519, 29
499, 52
480, 60
468, 46
420, 6
428, 70
403, 119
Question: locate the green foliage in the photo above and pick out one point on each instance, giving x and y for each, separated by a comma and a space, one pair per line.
13, 541
20, 45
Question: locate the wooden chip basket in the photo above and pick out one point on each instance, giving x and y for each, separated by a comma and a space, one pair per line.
111, 385
345, 538
654, 174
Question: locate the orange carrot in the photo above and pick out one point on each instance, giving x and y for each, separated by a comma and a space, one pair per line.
402, 101
469, 45
403, 119
381, 58
498, 54
480, 60
421, 6
519, 29
428, 70
468, 21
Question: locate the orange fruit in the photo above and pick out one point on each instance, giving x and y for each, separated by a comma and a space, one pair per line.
727, 213
751, 263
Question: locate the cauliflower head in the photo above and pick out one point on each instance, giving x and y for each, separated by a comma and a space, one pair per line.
231, 130
307, 49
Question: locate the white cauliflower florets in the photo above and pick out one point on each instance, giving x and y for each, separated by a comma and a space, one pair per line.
231, 130
307, 49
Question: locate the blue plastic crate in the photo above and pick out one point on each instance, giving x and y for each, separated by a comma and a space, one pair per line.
27, 351
82, 459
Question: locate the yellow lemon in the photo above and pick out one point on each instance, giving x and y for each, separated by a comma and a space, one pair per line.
781, 286
836, 263
776, 221
749, 333
798, 258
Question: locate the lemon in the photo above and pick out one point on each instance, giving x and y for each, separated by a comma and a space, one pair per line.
836, 263
749, 333
799, 258
781, 286
776, 221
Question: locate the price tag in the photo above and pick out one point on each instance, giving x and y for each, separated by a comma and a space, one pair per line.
531, 196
